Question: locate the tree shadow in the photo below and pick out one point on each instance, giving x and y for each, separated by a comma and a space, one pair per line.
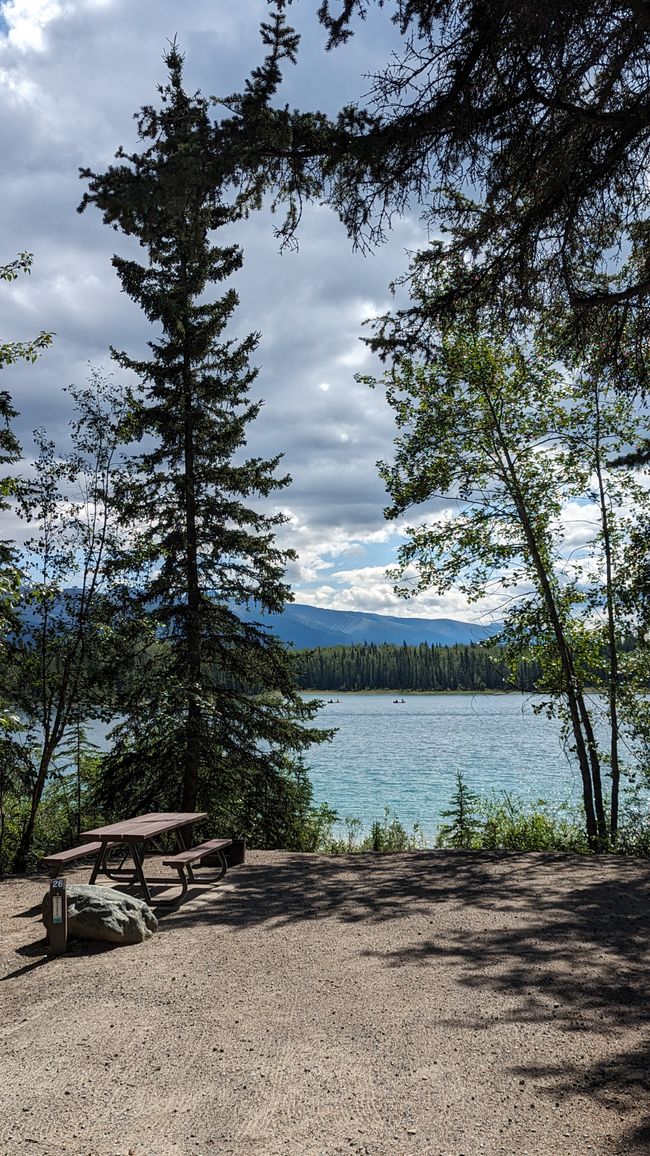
567, 936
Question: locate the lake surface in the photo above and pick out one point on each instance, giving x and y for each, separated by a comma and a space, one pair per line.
405, 756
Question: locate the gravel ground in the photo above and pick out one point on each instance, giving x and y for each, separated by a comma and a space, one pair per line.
426, 1004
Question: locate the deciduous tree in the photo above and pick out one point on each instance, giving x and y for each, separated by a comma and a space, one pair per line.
503, 441
11, 352
61, 647
10, 575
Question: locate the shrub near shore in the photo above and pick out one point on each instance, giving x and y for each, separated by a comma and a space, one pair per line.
502, 821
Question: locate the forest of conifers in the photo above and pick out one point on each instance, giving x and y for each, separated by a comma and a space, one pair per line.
370, 666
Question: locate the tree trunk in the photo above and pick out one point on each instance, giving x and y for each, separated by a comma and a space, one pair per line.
25, 843
585, 746
193, 626
611, 640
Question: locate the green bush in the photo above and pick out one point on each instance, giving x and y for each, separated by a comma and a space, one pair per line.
66, 808
313, 830
634, 829
504, 822
385, 835
509, 824
391, 835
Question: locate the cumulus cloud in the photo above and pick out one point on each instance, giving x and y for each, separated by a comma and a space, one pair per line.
368, 589
27, 21
72, 74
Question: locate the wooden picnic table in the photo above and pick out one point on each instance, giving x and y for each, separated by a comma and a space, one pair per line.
138, 834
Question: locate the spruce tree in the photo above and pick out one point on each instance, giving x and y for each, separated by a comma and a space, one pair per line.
200, 727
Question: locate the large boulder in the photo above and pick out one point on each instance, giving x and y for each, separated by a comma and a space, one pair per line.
103, 913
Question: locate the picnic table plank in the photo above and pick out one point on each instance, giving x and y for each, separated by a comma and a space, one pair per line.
59, 859
144, 827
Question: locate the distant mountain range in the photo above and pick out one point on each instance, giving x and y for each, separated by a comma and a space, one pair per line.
310, 626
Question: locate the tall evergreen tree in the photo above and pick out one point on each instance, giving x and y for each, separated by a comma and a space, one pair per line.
199, 729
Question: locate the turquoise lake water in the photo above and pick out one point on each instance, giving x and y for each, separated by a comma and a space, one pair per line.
405, 756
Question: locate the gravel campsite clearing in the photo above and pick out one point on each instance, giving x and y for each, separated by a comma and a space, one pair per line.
430, 1003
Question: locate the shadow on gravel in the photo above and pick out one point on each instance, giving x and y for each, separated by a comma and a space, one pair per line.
28, 913
37, 954
576, 957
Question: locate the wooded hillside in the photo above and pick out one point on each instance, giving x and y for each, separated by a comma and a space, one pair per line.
423, 667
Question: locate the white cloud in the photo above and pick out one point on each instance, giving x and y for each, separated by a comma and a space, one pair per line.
369, 590
72, 74
27, 20
357, 356
579, 524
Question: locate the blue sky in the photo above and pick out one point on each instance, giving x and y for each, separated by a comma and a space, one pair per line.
73, 73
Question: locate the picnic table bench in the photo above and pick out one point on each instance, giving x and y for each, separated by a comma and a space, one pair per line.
137, 835
184, 859
59, 860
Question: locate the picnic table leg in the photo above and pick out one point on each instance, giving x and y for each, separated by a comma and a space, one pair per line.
223, 867
138, 859
182, 879
183, 845
99, 863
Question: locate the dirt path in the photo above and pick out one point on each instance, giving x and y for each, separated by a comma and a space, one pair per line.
433, 1004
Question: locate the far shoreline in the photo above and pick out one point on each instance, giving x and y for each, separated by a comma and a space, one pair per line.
414, 693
